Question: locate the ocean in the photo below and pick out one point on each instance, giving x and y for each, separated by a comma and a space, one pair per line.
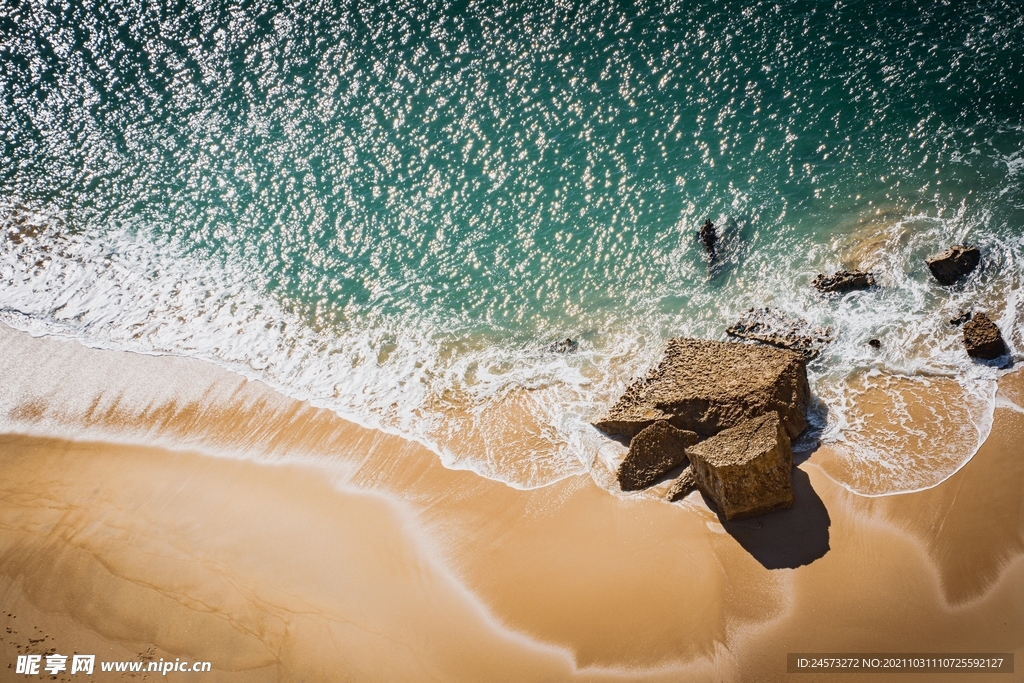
392, 210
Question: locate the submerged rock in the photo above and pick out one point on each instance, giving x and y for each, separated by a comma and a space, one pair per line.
983, 339
746, 470
653, 452
844, 281
955, 263
566, 345
706, 386
682, 486
709, 237
768, 326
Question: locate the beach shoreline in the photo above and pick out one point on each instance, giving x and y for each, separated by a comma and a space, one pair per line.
161, 507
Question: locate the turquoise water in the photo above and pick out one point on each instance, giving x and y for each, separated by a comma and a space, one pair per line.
389, 209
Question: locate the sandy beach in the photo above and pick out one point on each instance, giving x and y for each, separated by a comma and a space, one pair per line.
428, 342
160, 507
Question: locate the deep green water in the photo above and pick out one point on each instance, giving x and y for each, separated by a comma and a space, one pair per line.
388, 208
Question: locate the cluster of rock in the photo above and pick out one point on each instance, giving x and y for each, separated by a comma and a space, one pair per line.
982, 337
725, 411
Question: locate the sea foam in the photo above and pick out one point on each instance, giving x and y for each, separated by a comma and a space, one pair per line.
514, 411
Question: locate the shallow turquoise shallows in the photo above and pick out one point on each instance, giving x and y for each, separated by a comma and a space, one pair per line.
390, 209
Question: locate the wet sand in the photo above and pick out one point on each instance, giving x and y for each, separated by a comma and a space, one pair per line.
164, 508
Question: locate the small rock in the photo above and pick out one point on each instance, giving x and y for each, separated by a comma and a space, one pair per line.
768, 326
654, 451
983, 339
747, 469
682, 486
844, 281
706, 386
960, 319
875, 344
955, 263
567, 345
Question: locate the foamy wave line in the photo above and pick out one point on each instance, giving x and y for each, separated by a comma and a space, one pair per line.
511, 413
128, 292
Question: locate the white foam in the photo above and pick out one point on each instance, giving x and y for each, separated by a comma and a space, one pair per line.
115, 288
125, 291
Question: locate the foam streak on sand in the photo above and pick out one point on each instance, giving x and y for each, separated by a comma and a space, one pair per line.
357, 535
329, 550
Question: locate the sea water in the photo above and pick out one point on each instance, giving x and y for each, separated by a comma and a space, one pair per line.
391, 210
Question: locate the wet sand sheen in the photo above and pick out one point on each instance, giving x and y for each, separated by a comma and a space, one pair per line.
913, 433
336, 551
258, 569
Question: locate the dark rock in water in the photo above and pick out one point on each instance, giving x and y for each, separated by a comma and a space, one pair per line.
567, 345
748, 469
768, 326
706, 386
953, 264
653, 452
875, 344
682, 486
709, 237
983, 339
844, 281
960, 319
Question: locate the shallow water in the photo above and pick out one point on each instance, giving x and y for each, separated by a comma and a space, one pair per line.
391, 210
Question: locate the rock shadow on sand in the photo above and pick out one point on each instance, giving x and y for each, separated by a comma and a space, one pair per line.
785, 539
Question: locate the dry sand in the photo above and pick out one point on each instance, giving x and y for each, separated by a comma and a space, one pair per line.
163, 508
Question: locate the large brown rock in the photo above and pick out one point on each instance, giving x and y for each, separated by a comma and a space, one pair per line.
746, 470
653, 452
983, 339
706, 386
953, 264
